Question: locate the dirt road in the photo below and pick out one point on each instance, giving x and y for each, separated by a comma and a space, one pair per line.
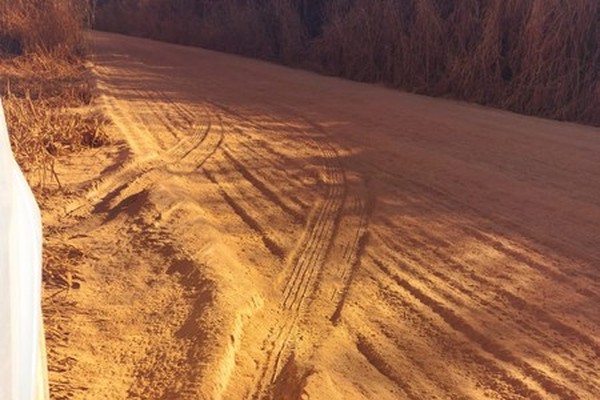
261, 232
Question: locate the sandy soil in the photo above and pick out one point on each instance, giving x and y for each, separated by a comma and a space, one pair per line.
261, 232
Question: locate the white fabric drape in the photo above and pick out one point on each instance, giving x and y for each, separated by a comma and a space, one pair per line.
22, 352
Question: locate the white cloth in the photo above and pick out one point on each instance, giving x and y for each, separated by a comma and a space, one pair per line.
22, 351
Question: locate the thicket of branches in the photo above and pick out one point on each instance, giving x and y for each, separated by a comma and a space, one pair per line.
539, 57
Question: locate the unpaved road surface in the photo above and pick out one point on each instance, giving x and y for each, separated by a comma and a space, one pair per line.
258, 232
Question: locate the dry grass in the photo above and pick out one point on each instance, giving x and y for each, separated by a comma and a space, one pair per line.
539, 57
44, 98
61, 265
44, 84
531, 56
42, 26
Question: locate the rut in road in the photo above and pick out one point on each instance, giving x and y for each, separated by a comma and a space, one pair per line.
197, 140
196, 134
305, 265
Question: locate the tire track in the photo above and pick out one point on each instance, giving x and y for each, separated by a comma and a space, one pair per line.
515, 301
193, 150
282, 164
486, 371
305, 264
352, 257
155, 104
262, 150
488, 345
497, 309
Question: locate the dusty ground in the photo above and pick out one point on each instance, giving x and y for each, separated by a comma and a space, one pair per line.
261, 232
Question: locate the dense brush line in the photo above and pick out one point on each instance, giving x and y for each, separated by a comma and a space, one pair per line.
539, 57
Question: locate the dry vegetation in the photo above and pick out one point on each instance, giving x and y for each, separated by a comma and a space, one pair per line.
44, 84
43, 100
539, 57
42, 26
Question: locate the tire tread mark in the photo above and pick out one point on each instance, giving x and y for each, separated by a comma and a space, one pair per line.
488, 345
457, 285
555, 324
